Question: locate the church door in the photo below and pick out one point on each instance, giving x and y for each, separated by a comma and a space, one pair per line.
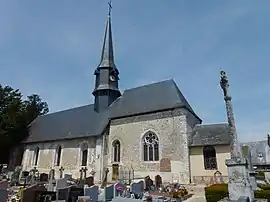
115, 172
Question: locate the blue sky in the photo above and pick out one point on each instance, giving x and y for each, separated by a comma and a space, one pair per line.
52, 48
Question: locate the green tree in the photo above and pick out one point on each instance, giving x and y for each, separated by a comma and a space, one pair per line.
16, 114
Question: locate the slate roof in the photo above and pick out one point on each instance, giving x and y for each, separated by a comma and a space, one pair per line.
258, 151
84, 121
68, 124
150, 98
212, 134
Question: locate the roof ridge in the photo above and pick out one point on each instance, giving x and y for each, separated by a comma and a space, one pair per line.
65, 110
146, 85
211, 124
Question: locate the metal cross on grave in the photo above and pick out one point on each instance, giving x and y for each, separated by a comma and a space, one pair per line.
84, 173
61, 170
35, 172
81, 174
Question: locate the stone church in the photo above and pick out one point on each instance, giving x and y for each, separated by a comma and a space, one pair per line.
144, 131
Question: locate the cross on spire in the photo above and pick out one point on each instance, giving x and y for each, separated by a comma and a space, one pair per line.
110, 7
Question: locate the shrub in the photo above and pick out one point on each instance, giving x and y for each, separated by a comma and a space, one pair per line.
261, 174
216, 192
265, 187
264, 194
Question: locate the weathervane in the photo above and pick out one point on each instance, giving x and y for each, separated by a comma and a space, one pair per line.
110, 7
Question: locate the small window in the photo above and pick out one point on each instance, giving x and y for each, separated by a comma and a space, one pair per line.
58, 153
210, 159
116, 151
84, 153
36, 155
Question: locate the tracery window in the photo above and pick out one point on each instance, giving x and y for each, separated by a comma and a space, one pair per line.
84, 153
36, 155
116, 151
210, 159
58, 153
150, 147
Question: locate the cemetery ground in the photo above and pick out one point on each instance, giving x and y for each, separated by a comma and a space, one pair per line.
33, 186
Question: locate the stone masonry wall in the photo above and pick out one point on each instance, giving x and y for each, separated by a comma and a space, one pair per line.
171, 129
70, 156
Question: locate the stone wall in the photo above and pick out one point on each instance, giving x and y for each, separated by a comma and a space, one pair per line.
171, 129
208, 180
70, 156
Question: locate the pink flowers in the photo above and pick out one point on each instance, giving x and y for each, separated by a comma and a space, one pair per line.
119, 188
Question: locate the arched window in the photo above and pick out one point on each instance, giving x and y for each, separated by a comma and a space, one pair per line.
116, 151
84, 153
58, 153
150, 147
36, 155
210, 159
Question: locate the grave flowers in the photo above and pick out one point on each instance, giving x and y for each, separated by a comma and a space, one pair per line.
119, 190
147, 197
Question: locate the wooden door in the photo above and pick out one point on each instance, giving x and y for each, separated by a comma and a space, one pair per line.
115, 172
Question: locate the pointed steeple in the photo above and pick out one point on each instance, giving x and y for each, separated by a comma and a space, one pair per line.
107, 57
107, 75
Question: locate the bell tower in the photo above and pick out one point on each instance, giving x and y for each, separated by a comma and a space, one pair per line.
107, 75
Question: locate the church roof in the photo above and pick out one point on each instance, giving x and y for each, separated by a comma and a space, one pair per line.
150, 98
212, 134
68, 124
85, 121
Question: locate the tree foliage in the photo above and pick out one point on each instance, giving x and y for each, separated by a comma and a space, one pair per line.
16, 114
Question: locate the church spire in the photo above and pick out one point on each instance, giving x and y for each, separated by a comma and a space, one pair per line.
107, 75
107, 56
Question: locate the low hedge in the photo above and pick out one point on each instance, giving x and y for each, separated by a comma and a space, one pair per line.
265, 187
217, 192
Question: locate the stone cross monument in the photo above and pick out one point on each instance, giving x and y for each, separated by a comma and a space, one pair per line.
238, 173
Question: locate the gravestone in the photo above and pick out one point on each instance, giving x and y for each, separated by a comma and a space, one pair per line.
63, 193
52, 174
30, 193
217, 177
61, 171
247, 154
84, 199
50, 186
158, 181
137, 187
44, 177
89, 181
109, 192
92, 192
75, 192
68, 177
105, 179
4, 184
61, 183
3, 195
148, 183
119, 188
243, 199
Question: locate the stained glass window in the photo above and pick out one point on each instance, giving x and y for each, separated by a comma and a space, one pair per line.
150, 147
